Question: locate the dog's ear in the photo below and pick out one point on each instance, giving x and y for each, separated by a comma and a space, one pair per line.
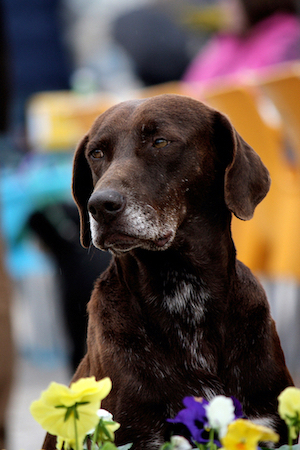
247, 180
82, 186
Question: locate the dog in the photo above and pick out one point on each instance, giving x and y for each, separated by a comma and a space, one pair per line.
156, 182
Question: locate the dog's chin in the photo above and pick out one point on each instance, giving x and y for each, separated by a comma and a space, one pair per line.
121, 243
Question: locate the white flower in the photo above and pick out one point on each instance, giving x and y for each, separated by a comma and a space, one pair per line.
105, 415
220, 413
180, 443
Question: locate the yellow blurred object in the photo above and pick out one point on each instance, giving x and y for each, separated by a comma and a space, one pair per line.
270, 242
208, 18
282, 85
56, 121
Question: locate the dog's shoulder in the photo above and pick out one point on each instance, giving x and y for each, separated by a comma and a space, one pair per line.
249, 287
249, 307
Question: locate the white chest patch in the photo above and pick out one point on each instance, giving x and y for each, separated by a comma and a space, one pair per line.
187, 296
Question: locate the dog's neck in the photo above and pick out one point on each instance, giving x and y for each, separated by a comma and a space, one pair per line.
192, 272
179, 296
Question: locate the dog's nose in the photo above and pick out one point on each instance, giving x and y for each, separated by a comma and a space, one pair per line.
107, 202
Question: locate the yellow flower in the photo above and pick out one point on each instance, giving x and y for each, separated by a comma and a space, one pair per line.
245, 435
65, 412
289, 409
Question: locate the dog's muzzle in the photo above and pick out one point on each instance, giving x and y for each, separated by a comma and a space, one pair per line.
119, 223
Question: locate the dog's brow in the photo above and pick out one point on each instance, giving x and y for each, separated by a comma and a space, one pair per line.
103, 137
148, 129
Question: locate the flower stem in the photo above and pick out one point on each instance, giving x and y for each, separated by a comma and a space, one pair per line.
211, 439
76, 433
290, 439
95, 437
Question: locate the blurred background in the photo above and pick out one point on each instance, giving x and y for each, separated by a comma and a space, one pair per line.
62, 63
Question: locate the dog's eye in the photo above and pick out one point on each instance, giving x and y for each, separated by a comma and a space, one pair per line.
160, 143
97, 154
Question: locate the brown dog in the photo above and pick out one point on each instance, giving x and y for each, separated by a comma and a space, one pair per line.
175, 314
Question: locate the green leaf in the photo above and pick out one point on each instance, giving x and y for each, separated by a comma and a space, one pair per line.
125, 447
167, 446
108, 446
201, 446
76, 412
68, 413
101, 428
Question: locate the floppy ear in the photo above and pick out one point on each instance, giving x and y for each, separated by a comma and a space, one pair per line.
247, 180
82, 186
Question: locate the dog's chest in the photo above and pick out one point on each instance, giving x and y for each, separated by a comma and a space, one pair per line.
184, 295
170, 326
185, 302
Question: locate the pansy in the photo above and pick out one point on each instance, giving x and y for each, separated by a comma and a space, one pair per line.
245, 435
289, 409
70, 412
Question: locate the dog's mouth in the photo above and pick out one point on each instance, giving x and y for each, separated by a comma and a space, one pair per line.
120, 242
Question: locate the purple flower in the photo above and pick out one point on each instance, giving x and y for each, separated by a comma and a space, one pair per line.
238, 412
194, 418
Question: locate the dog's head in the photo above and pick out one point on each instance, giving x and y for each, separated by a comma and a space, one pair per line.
147, 165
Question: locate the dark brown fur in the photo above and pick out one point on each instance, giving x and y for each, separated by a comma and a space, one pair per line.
175, 314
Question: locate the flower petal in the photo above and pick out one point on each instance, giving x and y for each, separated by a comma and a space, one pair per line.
244, 434
220, 413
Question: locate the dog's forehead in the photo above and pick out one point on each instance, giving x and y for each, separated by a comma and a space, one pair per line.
157, 112
116, 116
